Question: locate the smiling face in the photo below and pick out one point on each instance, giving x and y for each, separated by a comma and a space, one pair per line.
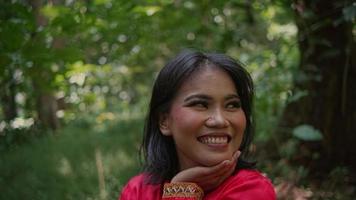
205, 120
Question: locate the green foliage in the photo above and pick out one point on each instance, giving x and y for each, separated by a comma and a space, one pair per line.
99, 58
90, 54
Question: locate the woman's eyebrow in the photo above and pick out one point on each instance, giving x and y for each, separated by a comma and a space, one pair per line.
197, 96
207, 97
232, 96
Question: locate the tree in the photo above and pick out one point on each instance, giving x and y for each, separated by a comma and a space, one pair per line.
46, 104
324, 82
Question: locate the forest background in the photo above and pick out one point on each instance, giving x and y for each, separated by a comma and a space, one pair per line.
75, 78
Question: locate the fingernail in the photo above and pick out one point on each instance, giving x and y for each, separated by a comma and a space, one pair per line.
226, 162
237, 155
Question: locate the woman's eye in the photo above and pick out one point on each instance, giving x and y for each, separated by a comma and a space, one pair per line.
198, 104
234, 105
201, 105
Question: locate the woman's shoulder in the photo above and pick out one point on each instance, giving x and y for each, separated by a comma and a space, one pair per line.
137, 180
247, 184
251, 176
138, 187
140, 181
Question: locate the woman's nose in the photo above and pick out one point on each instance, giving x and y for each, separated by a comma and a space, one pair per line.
216, 120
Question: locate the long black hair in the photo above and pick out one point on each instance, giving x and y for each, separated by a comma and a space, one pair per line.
160, 156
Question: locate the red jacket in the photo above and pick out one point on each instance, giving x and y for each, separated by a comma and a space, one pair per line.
244, 185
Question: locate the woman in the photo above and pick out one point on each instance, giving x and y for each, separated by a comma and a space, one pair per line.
197, 134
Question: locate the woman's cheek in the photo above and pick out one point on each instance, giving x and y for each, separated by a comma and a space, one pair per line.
186, 118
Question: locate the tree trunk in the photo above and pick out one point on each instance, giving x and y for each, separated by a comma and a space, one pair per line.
326, 73
7, 96
47, 110
46, 104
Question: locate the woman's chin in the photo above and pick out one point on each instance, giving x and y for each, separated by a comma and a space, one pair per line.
215, 160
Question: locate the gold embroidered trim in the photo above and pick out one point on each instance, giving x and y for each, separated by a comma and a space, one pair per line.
182, 190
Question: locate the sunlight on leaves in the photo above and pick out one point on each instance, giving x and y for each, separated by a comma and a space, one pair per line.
106, 116
53, 12
148, 10
19, 123
277, 30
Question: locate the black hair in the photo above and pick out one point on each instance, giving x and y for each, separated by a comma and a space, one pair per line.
160, 156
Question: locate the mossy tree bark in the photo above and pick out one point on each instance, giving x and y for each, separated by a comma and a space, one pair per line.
326, 74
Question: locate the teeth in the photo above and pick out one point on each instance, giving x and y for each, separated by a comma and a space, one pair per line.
214, 140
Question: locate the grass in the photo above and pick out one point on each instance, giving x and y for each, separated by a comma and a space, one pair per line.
82, 161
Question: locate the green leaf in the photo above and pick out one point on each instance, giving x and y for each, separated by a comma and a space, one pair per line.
297, 95
50, 11
148, 10
101, 2
307, 133
349, 12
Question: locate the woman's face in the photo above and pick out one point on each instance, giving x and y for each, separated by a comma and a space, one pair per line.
206, 120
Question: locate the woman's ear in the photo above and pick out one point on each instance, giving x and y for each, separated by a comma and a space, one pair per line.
164, 124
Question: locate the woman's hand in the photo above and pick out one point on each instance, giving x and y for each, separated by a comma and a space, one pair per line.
208, 178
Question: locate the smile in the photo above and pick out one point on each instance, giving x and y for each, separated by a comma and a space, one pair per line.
214, 139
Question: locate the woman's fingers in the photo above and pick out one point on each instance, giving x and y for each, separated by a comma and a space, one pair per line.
217, 174
208, 177
221, 174
228, 166
224, 166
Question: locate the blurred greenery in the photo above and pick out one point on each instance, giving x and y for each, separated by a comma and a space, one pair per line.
75, 77
65, 166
